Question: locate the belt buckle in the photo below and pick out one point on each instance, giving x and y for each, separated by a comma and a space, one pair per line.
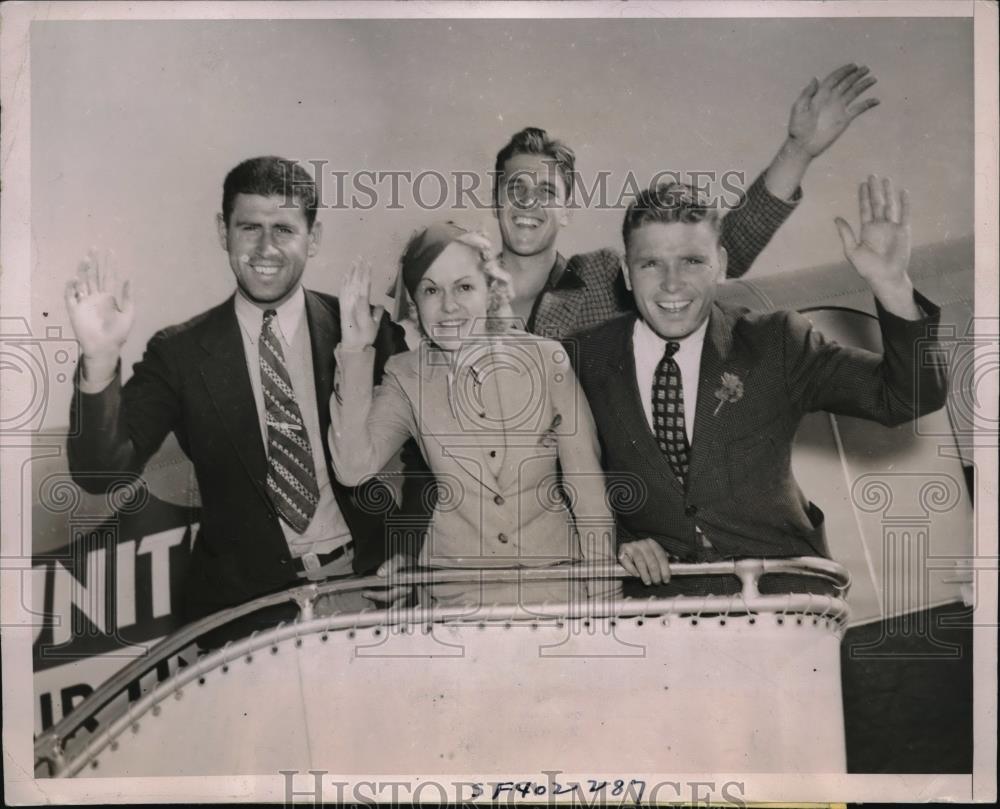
310, 561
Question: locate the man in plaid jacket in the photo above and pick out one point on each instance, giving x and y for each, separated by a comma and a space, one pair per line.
534, 175
555, 296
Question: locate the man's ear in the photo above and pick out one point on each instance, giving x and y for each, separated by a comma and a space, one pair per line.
315, 236
623, 264
220, 224
565, 216
723, 262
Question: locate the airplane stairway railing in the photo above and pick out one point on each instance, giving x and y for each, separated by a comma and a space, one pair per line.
52, 751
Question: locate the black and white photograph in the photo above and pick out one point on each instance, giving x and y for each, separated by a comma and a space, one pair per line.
584, 403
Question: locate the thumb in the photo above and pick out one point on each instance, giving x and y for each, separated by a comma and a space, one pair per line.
378, 313
69, 295
846, 236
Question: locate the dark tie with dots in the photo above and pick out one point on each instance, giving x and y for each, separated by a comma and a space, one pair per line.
291, 476
668, 412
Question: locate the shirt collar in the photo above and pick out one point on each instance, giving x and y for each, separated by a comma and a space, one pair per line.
289, 315
647, 340
563, 275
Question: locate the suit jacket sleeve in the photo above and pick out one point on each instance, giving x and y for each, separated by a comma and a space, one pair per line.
114, 432
747, 228
418, 493
906, 381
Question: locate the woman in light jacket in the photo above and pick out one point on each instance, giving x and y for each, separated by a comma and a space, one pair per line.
498, 415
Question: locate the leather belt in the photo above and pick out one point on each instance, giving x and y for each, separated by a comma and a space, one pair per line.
309, 562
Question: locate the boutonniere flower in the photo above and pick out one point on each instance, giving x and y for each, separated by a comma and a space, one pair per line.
731, 390
548, 439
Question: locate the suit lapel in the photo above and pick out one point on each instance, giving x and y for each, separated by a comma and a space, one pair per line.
227, 380
324, 334
706, 474
626, 401
558, 310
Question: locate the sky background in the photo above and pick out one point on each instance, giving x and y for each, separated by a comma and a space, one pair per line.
135, 124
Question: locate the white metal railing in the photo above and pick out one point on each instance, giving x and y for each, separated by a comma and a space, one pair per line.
50, 745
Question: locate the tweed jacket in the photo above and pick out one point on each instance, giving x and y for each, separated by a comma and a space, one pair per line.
740, 489
193, 380
588, 289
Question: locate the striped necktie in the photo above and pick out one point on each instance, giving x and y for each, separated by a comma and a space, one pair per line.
291, 476
668, 412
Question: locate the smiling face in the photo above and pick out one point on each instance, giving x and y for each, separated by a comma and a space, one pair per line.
531, 204
268, 241
453, 297
673, 272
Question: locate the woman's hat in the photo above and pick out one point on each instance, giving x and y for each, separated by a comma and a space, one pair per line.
423, 249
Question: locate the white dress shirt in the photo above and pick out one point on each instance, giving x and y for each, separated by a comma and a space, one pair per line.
328, 530
648, 347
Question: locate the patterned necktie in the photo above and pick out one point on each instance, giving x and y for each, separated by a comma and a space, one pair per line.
291, 476
668, 412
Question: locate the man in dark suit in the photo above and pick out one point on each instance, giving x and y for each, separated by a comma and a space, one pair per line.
534, 182
245, 386
701, 401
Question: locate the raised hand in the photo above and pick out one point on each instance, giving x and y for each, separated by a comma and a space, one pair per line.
881, 253
100, 309
358, 322
825, 109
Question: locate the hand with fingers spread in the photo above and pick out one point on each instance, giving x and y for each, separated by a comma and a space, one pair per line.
646, 559
101, 311
881, 253
824, 110
359, 322
820, 115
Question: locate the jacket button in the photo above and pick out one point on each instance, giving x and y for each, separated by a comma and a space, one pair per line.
498, 500
503, 538
283, 560
690, 511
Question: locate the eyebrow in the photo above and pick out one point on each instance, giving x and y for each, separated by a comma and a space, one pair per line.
253, 221
429, 281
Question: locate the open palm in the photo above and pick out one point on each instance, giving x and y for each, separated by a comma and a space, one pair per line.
100, 308
358, 321
881, 254
825, 109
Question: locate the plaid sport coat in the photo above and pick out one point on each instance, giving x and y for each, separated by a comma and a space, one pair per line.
588, 289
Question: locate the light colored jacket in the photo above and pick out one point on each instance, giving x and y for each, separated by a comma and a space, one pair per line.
492, 423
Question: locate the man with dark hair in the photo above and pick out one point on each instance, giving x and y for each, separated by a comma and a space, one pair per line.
701, 401
245, 386
534, 180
